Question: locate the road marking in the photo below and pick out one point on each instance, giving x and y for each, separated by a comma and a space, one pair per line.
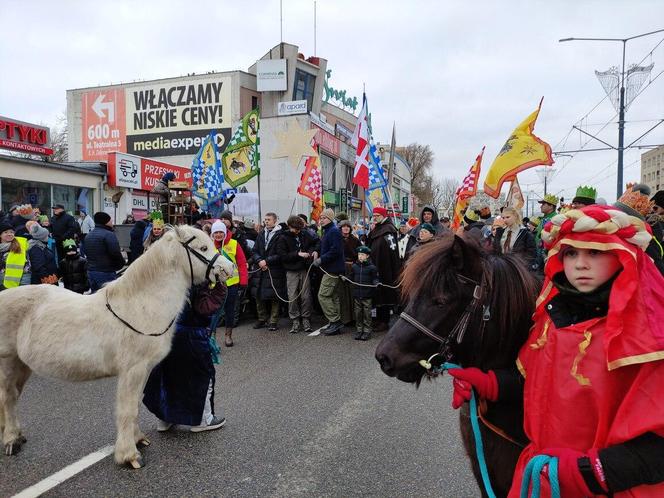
316, 332
62, 475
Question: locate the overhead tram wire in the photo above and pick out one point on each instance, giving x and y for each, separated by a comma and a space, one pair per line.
579, 121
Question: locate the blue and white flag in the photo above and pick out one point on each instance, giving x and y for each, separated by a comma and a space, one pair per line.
208, 179
376, 174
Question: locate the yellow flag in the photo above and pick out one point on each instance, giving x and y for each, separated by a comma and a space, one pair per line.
522, 150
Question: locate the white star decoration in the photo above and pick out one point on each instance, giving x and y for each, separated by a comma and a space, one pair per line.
295, 143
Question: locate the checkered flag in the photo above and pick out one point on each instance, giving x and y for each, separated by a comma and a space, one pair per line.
206, 171
469, 186
311, 182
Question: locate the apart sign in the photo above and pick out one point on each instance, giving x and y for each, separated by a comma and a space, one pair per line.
25, 137
141, 173
271, 75
293, 107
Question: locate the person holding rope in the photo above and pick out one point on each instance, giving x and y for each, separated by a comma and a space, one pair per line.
331, 262
591, 373
364, 281
297, 248
383, 242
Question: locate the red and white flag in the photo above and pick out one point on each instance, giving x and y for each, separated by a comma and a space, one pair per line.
361, 142
311, 184
469, 186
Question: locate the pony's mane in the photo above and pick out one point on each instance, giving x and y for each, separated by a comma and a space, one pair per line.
432, 272
151, 265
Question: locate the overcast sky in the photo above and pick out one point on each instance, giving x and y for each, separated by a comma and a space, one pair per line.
454, 75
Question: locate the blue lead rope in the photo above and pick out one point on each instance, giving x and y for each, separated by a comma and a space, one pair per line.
532, 475
479, 446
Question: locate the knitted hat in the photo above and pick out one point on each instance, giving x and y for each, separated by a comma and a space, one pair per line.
328, 213
635, 201
38, 232
226, 215
5, 225
470, 216
380, 210
428, 227
585, 195
218, 226
101, 218
42, 219
549, 199
363, 250
69, 244
342, 216
168, 177
658, 198
345, 223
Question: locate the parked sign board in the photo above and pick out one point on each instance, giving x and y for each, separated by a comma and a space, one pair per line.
125, 170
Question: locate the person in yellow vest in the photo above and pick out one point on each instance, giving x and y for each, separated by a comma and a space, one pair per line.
14, 263
223, 240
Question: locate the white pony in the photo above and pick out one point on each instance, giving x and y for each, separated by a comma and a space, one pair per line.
123, 330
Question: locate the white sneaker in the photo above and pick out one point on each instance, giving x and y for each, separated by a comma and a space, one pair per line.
163, 426
215, 423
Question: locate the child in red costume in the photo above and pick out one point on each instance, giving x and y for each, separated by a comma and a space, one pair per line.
592, 370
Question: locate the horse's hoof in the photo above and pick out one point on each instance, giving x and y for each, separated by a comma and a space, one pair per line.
136, 463
21, 439
13, 448
143, 442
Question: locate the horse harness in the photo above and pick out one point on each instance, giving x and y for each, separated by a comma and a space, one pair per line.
190, 251
459, 330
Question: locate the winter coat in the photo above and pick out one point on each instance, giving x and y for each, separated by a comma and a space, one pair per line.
332, 250
351, 243
364, 273
74, 273
18, 222
382, 241
86, 224
136, 240
290, 244
64, 227
103, 250
524, 245
437, 225
161, 189
261, 285
42, 263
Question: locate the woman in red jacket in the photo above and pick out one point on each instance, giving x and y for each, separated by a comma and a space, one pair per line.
223, 239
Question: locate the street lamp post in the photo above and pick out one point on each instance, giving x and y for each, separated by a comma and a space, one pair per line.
621, 112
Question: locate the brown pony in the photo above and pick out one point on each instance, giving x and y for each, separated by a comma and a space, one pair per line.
475, 310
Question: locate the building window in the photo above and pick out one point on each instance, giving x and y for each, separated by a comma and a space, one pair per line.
327, 169
254, 102
304, 87
24, 192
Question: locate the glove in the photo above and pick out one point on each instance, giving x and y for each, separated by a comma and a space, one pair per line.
316, 262
465, 379
572, 483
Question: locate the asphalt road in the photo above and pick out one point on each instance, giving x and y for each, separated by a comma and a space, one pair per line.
306, 416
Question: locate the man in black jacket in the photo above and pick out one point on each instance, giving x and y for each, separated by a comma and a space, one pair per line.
63, 226
103, 252
271, 280
297, 249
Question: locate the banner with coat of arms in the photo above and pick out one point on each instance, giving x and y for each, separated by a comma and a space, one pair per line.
240, 159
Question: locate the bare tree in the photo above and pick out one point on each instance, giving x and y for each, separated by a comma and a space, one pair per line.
59, 140
420, 159
444, 195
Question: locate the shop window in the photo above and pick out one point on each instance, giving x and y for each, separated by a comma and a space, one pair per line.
304, 87
327, 164
73, 198
26, 192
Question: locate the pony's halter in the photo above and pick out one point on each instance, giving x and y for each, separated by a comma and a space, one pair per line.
459, 330
191, 251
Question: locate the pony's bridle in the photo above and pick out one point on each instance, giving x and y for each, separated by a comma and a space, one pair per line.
459, 330
190, 251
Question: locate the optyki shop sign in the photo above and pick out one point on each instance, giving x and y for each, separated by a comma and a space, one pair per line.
125, 170
24, 137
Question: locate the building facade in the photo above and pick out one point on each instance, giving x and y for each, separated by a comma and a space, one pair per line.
652, 164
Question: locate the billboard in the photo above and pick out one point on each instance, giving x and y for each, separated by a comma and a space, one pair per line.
292, 107
165, 118
271, 75
125, 170
25, 137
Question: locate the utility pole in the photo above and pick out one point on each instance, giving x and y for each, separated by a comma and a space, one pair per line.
621, 109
